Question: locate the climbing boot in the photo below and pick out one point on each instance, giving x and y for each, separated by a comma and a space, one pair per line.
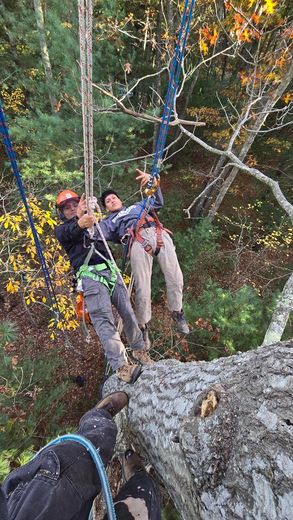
146, 339
113, 403
131, 464
128, 373
181, 323
142, 356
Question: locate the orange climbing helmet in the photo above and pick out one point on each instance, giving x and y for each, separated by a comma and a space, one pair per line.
64, 196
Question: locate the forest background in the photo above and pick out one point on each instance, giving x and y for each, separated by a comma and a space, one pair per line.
226, 185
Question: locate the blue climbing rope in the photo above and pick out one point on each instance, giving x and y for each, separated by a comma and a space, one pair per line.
175, 71
98, 463
4, 134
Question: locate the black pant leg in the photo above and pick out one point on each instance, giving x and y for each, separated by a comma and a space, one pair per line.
139, 498
61, 482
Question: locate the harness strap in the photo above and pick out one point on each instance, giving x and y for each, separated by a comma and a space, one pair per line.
94, 271
89, 255
136, 235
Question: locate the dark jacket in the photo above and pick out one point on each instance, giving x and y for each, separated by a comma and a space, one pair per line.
3, 507
76, 243
117, 223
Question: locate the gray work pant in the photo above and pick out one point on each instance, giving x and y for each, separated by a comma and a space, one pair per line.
142, 263
99, 305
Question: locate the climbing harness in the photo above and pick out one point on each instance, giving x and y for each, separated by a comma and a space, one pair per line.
4, 133
94, 453
94, 272
147, 221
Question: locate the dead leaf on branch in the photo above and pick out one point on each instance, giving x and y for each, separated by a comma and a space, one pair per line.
127, 67
201, 323
14, 361
57, 106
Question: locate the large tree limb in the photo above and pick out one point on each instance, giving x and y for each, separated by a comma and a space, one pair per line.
218, 434
254, 172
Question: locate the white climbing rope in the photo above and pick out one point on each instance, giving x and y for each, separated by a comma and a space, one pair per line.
85, 11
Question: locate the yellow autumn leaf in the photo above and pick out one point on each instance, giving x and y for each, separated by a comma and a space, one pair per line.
126, 279
203, 46
288, 97
270, 6
12, 286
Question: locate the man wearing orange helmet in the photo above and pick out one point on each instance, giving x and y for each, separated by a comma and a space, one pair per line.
101, 286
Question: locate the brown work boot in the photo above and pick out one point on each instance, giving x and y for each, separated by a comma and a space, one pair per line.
113, 403
142, 356
181, 323
128, 373
131, 464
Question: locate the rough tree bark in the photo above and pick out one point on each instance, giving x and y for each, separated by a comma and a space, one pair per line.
44, 51
218, 434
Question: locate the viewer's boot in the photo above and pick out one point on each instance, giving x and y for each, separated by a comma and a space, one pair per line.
142, 357
113, 403
181, 323
128, 373
131, 464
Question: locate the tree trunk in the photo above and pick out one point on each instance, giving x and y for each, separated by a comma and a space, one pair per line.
281, 314
205, 201
231, 173
214, 198
218, 434
170, 17
44, 51
183, 110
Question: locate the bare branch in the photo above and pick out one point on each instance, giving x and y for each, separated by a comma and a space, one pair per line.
187, 210
254, 172
143, 116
